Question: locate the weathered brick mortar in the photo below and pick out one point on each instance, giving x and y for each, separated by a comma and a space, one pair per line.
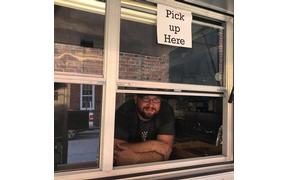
71, 58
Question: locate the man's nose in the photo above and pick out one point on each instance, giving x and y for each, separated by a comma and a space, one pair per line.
150, 103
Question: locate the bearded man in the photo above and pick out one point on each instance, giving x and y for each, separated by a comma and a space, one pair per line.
144, 130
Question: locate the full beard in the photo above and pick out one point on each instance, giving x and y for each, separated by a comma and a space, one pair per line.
147, 113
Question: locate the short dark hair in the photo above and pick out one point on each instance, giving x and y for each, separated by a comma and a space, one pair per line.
142, 95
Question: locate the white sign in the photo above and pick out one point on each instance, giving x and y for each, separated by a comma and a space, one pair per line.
174, 26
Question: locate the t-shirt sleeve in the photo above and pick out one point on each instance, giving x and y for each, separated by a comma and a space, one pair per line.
167, 124
121, 125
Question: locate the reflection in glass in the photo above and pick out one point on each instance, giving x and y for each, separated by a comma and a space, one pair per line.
78, 41
87, 97
76, 132
86, 89
141, 58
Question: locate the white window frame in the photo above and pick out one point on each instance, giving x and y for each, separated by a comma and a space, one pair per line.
110, 83
92, 105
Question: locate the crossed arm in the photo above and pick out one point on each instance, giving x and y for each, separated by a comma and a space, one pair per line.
149, 151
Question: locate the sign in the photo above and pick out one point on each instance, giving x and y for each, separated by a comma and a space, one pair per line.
174, 26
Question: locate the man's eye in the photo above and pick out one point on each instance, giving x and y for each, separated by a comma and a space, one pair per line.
152, 100
156, 100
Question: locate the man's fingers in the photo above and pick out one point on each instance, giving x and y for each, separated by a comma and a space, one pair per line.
163, 156
165, 152
116, 153
166, 156
121, 147
116, 157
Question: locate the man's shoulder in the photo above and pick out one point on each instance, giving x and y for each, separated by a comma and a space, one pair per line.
166, 112
127, 107
165, 107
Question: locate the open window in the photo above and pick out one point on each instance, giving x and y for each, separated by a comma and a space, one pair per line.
107, 52
197, 123
191, 80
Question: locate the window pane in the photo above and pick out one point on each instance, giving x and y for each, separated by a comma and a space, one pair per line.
76, 132
86, 102
196, 124
141, 58
78, 41
86, 89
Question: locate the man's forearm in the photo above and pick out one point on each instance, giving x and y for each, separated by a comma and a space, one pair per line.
162, 147
139, 158
149, 157
143, 147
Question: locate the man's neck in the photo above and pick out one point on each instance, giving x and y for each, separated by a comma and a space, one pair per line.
142, 118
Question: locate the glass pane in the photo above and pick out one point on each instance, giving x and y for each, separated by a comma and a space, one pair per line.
87, 102
141, 58
78, 41
194, 122
220, 5
76, 132
86, 89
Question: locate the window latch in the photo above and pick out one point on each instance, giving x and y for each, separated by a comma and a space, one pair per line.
231, 97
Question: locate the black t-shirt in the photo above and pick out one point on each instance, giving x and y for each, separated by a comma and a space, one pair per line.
130, 128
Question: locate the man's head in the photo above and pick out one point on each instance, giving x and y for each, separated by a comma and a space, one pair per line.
147, 105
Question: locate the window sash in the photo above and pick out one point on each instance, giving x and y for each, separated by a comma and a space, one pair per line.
150, 167
148, 15
173, 86
84, 5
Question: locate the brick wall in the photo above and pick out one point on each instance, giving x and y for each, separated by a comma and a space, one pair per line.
76, 59
220, 54
71, 58
141, 67
98, 104
74, 97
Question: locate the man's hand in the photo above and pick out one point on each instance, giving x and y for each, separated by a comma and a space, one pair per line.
162, 148
124, 155
149, 151
163, 145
